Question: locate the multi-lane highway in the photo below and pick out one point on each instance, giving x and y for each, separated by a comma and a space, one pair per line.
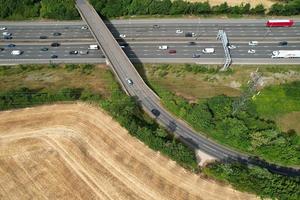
134, 85
143, 50
144, 38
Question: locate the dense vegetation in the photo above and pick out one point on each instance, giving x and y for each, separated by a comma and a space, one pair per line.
245, 130
27, 9
256, 180
123, 108
65, 9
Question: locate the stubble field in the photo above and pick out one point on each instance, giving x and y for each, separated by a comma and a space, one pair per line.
76, 151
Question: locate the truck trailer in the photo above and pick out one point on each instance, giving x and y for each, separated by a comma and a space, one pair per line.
286, 54
280, 23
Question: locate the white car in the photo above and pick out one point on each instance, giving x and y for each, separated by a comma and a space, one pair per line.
84, 28
253, 43
208, 50
231, 47
16, 52
178, 31
3, 28
252, 51
129, 81
122, 35
6, 34
83, 52
163, 47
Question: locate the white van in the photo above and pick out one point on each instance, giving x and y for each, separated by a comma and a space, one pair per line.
93, 46
163, 47
16, 52
253, 43
208, 50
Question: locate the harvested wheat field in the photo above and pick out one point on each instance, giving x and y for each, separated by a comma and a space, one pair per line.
76, 151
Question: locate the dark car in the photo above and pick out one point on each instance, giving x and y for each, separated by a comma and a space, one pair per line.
7, 37
43, 37
1, 49
195, 55
44, 49
155, 112
11, 45
54, 56
156, 26
73, 52
55, 44
172, 51
56, 34
188, 34
192, 43
283, 43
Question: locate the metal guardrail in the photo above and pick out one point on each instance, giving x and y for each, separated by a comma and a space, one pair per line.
223, 37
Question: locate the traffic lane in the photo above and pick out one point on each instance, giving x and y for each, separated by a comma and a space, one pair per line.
33, 52
36, 34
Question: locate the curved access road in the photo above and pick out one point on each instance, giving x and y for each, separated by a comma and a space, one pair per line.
124, 70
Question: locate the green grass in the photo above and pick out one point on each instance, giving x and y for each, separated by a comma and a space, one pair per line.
277, 100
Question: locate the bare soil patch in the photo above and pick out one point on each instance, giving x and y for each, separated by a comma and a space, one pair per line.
76, 151
290, 121
266, 3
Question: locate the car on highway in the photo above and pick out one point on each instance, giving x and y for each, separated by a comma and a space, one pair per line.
122, 36
251, 51
129, 81
44, 49
253, 43
195, 55
6, 34
16, 52
3, 28
7, 37
172, 51
84, 28
283, 43
83, 52
231, 46
178, 31
54, 56
93, 46
208, 50
56, 34
163, 47
1, 49
156, 26
191, 43
155, 112
11, 45
73, 52
43, 37
189, 34
55, 44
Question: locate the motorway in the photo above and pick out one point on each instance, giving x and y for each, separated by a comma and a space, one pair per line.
124, 70
143, 29
144, 40
143, 50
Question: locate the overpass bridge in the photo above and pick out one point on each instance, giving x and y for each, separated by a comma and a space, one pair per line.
124, 70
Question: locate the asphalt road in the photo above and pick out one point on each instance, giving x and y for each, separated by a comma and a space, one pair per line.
143, 29
124, 70
148, 51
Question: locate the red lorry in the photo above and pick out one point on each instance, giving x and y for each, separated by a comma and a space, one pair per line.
280, 23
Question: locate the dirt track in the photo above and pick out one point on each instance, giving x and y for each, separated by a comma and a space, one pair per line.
75, 151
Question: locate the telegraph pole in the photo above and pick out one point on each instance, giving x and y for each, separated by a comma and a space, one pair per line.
251, 91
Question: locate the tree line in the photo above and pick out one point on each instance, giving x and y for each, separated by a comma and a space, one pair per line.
116, 8
65, 9
28, 9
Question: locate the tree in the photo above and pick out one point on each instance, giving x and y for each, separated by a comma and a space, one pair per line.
258, 10
160, 7
179, 7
